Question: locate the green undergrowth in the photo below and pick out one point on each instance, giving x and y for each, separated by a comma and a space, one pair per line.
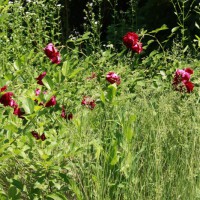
144, 148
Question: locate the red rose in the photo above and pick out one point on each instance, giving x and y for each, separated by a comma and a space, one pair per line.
189, 86
137, 47
52, 53
35, 135
65, 116
51, 102
40, 77
43, 137
6, 99
18, 112
130, 39
88, 102
3, 88
182, 80
70, 116
112, 77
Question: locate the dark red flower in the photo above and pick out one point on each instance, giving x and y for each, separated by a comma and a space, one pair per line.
189, 70
130, 39
52, 53
137, 47
43, 137
88, 102
65, 116
6, 99
18, 112
181, 80
3, 88
40, 77
63, 113
51, 102
35, 135
92, 104
70, 116
112, 77
189, 86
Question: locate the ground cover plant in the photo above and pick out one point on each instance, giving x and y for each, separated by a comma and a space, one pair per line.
87, 119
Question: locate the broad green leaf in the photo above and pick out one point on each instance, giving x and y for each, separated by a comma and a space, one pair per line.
48, 82
102, 97
65, 68
150, 41
175, 29
56, 196
113, 154
111, 92
28, 105
163, 27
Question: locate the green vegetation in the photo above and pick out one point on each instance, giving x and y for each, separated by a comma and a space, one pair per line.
68, 131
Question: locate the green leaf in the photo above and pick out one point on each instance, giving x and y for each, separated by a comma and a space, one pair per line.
111, 92
11, 127
28, 105
17, 184
197, 25
113, 154
56, 196
48, 82
150, 41
102, 97
175, 29
65, 68
163, 27
76, 71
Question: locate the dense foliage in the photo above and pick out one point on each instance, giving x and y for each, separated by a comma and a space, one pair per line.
108, 112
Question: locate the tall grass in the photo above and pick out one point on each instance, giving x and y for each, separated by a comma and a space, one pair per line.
161, 161
146, 148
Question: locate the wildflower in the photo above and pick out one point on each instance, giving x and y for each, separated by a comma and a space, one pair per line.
112, 77
43, 137
18, 112
51, 102
3, 88
40, 77
6, 99
130, 40
182, 80
37, 92
70, 116
65, 116
37, 136
137, 47
52, 53
63, 113
88, 102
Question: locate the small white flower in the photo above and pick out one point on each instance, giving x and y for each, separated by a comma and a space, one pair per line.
96, 22
91, 4
58, 5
